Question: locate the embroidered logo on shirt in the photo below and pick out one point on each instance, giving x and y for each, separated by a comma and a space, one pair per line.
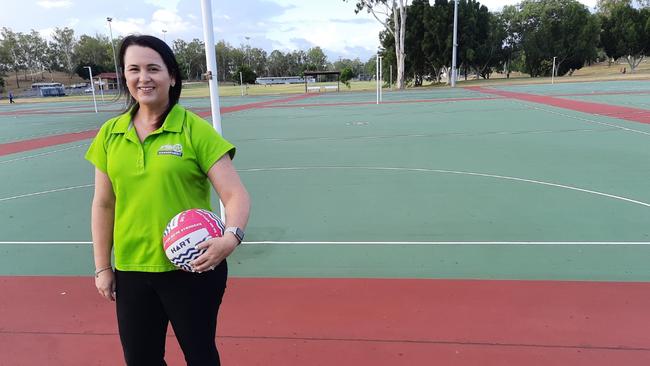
171, 150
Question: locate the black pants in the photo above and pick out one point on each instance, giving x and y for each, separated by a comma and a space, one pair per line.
147, 302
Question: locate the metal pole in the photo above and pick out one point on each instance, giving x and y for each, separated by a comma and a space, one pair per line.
553, 72
377, 77
92, 86
101, 89
241, 83
211, 75
248, 50
453, 54
381, 78
117, 71
164, 32
391, 77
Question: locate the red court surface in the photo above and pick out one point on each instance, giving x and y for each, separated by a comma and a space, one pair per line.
41, 142
290, 322
626, 113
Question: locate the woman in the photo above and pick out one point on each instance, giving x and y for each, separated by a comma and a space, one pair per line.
151, 163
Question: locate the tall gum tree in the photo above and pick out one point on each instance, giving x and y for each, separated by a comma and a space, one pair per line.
382, 10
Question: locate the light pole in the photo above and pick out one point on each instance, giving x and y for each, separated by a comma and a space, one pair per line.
248, 50
117, 71
92, 85
453, 54
164, 31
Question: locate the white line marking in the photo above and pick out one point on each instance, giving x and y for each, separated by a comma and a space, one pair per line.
587, 119
45, 242
459, 173
375, 242
45, 192
451, 242
42, 154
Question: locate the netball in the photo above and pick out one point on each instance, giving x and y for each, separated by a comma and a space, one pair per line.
187, 230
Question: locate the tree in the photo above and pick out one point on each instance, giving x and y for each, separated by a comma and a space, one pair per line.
625, 33
296, 62
248, 76
223, 51
479, 41
316, 59
564, 29
258, 61
12, 48
416, 60
36, 52
95, 52
191, 59
277, 64
397, 10
62, 46
438, 42
512, 33
346, 75
605, 7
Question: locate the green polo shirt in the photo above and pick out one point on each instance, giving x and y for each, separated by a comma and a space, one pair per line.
155, 180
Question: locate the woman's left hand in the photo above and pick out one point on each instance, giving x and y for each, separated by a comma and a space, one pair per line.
217, 249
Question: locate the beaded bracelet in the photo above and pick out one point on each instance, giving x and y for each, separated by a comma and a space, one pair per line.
97, 272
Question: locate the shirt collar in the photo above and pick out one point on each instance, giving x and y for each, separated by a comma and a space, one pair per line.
173, 122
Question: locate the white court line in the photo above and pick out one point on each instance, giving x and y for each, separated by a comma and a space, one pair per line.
45, 242
44, 192
42, 154
377, 242
451, 242
621, 198
459, 173
534, 106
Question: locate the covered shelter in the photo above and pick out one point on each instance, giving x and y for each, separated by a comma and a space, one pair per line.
316, 73
109, 78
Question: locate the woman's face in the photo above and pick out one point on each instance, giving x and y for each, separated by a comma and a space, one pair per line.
147, 76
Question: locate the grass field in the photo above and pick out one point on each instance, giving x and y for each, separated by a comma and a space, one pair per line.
598, 72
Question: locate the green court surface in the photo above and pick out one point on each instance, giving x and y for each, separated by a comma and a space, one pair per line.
470, 226
580, 88
442, 183
641, 101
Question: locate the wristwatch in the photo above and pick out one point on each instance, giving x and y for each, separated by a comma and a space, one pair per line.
237, 232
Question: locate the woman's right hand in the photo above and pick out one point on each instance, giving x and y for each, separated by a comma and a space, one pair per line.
105, 283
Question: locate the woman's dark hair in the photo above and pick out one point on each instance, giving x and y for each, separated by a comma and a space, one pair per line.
168, 58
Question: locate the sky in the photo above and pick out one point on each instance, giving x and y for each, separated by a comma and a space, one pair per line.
284, 25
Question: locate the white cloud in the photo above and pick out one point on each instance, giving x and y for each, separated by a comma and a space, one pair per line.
165, 4
46, 33
128, 26
49, 4
170, 21
337, 31
333, 34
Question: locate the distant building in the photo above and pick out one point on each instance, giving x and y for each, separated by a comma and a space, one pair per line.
283, 80
108, 80
49, 89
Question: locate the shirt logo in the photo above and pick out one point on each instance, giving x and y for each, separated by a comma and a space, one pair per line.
176, 149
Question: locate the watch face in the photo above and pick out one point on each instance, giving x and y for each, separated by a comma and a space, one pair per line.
239, 233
